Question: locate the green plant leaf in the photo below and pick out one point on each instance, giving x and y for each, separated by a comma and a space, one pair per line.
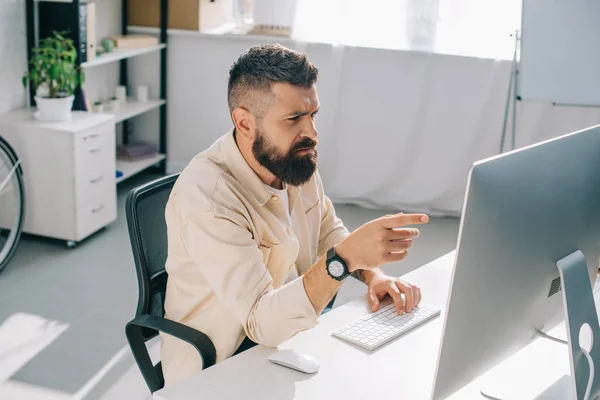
54, 70
54, 65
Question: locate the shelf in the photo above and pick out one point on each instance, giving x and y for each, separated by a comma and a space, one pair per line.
122, 54
225, 31
130, 168
133, 108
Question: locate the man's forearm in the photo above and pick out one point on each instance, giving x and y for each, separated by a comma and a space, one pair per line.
319, 286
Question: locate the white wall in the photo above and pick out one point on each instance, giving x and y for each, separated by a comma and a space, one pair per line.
13, 54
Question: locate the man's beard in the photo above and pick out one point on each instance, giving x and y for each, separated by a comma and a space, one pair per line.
289, 168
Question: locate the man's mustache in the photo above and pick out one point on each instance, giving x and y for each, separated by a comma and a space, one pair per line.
306, 143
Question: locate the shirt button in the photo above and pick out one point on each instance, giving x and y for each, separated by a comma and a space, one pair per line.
275, 197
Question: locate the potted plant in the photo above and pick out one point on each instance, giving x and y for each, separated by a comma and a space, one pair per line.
54, 75
98, 106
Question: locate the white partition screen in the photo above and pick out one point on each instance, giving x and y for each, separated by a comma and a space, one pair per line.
560, 52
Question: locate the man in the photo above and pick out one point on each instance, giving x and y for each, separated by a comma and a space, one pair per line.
256, 251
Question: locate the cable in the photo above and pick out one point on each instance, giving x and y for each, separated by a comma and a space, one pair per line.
546, 336
585, 353
487, 396
591, 377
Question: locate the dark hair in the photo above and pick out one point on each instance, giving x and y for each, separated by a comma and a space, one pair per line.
261, 66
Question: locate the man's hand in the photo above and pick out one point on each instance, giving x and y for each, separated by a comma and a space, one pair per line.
382, 285
380, 241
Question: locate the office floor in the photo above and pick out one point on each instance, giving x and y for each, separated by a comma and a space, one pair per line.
78, 301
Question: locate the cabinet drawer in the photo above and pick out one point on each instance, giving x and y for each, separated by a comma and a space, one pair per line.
95, 185
95, 160
93, 136
94, 179
95, 214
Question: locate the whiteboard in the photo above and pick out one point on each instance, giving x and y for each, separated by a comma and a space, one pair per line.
560, 52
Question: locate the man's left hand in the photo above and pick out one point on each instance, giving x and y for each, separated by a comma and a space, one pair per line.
382, 285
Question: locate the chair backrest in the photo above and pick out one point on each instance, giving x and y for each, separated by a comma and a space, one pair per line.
145, 210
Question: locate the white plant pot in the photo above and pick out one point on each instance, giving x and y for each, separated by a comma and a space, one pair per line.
54, 109
114, 105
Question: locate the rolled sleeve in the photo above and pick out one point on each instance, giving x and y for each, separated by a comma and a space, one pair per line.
224, 250
288, 306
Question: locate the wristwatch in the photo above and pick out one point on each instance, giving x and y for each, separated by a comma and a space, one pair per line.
336, 267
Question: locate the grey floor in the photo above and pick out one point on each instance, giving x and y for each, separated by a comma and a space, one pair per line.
93, 289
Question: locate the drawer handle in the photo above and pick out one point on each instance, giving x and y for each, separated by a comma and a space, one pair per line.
91, 136
97, 209
95, 150
96, 180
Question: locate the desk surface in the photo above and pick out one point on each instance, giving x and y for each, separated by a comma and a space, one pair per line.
404, 367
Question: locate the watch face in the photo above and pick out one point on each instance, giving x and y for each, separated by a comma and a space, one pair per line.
336, 269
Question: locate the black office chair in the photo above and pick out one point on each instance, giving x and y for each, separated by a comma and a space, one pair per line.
145, 211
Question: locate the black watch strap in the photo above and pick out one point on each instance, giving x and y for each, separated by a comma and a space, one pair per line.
331, 253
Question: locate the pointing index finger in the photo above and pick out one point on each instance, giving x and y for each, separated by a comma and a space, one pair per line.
398, 220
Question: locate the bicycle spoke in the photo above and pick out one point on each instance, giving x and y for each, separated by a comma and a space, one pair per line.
10, 174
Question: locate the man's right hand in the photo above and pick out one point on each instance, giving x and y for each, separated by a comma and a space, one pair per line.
380, 241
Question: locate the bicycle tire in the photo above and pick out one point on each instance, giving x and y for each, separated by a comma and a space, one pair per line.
12, 156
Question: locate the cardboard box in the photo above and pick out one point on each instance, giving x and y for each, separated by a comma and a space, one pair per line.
196, 15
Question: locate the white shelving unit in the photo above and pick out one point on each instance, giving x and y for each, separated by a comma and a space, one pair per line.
130, 168
117, 55
132, 108
72, 164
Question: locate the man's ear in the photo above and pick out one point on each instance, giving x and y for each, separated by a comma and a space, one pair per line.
244, 122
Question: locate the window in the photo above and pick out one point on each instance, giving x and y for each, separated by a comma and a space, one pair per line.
479, 28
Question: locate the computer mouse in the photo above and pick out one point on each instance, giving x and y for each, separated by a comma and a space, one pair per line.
294, 360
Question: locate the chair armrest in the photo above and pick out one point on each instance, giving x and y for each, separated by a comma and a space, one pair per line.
199, 340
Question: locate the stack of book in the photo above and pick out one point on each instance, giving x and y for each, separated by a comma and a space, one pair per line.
135, 151
133, 41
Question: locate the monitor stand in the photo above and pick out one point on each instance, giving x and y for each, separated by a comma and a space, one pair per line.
542, 371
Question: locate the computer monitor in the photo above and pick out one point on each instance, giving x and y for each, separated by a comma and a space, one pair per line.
523, 212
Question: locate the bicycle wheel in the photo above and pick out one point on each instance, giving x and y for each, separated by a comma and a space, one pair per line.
12, 203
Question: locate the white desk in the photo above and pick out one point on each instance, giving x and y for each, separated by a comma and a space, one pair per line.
402, 369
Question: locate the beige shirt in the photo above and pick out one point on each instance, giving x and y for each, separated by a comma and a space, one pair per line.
231, 249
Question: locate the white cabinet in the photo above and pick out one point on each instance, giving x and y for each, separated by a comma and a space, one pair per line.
69, 172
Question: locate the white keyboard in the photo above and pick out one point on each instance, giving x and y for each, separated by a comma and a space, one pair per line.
375, 329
